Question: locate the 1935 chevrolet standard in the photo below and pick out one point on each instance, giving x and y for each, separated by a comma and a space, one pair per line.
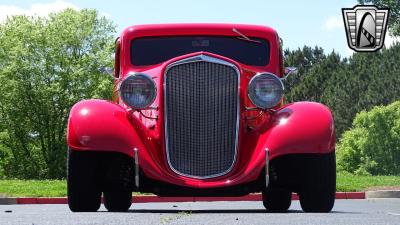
199, 111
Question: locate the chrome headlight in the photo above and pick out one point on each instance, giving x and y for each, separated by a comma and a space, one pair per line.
265, 90
138, 91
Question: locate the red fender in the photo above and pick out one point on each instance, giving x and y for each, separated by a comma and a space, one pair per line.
301, 127
99, 125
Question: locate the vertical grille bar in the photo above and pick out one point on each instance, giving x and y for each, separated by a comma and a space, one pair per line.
201, 112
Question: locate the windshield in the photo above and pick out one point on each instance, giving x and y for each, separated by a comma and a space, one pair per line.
154, 50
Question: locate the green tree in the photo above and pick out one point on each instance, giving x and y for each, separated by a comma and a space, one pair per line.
303, 59
347, 85
47, 65
372, 146
315, 80
362, 82
394, 16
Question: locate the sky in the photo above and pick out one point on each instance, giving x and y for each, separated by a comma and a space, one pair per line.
298, 23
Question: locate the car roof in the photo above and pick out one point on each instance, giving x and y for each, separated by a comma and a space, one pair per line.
198, 29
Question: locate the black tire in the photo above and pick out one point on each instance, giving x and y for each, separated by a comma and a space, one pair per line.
84, 194
318, 190
277, 200
119, 183
117, 201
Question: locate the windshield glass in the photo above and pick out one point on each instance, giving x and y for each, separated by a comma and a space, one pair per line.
154, 50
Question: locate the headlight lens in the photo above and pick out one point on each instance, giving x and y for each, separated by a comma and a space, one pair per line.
265, 90
138, 91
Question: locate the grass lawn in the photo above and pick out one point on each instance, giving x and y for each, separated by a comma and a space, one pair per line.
347, 182
33, 188
58, 188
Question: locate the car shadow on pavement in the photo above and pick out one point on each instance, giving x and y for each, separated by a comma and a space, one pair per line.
217, 211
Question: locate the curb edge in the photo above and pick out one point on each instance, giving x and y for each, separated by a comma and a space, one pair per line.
153, 198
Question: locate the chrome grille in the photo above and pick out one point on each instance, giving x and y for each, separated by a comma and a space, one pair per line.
201, 111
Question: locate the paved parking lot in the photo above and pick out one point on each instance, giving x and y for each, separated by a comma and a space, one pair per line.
357, 212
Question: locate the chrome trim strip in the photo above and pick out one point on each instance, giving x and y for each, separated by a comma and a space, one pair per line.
289, 71
200, 58
135, 150
266, 167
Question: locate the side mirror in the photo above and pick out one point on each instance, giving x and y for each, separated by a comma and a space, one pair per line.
288, 71
107, 71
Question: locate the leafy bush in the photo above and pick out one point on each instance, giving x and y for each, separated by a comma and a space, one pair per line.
372, 146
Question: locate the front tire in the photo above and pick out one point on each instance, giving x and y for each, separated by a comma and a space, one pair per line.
119, 180
117, 201
318, 190
277, 200
84, 194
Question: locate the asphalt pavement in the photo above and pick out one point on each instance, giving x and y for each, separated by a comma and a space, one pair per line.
357, 212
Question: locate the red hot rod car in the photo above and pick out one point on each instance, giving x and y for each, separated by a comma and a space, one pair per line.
199, 111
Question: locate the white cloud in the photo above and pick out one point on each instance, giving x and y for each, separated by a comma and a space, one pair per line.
38, 9
390, 40
333, 23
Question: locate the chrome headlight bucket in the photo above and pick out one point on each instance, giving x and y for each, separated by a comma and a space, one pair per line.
138, 91
265, 90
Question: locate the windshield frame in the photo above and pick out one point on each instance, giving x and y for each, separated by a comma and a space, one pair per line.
258, 41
